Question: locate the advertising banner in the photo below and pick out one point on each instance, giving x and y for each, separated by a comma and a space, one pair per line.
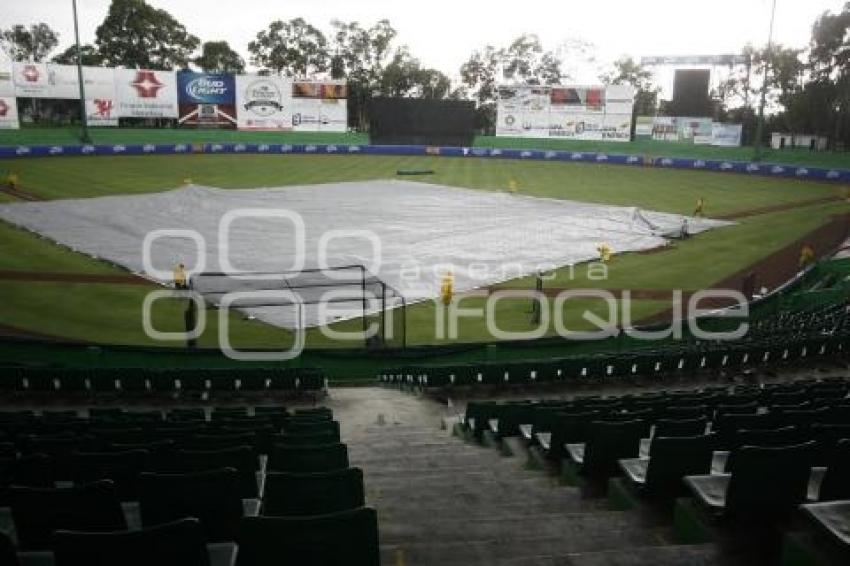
7, 83
689, 130
263, 103
141, 93
524, 111
579, 100
333, 115
99, 82
319, 106
206, 99
101, 112
694, 130
619, 99
643, 126
31, 80
571, 112
728, 135
595, 127
9, 113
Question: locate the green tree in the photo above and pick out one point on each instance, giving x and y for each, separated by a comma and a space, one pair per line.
404, 76
627, 71
218, 57
88, 54
136, 35
360, 55
523, 61
829, 61
295, 48
33, 43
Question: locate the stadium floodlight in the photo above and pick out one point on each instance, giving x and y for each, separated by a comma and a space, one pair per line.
763, 102
84, 135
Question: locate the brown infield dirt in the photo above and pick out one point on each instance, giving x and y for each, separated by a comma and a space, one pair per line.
770, 272
20, 193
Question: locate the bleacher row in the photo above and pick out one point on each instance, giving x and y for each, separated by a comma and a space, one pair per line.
651, 363
143, 383
242, 486
775, 339
745, 454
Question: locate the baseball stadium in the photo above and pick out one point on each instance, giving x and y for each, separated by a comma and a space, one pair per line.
312, 300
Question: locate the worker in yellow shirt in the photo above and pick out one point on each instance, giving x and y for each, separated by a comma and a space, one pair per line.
605, 252
807, 255
699, 208
12, 180
447, 288
180, 278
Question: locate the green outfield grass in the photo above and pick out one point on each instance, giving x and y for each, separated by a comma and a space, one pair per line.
112, 313
59, 136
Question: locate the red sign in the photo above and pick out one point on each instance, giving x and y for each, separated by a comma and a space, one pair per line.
4, 108
103, 107
31, 73
146, 84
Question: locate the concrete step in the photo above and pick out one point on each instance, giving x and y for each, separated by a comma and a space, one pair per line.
440, 478
475, 499
419, 512
498, 551
672, 555
517, 529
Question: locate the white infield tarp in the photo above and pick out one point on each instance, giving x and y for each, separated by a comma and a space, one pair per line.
422, 231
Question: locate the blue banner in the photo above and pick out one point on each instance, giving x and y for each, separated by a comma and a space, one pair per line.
206, 88
740, 167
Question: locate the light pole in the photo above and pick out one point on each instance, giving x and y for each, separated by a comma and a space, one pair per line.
84, 134
763, 101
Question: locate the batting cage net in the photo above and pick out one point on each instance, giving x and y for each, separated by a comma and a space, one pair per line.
347, 299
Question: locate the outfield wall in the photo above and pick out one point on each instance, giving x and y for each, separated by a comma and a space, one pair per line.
741, 167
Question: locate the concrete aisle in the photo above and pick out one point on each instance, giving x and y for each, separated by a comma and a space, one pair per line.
443, 502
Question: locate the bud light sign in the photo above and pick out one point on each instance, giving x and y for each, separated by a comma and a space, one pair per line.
206, 100
204, 88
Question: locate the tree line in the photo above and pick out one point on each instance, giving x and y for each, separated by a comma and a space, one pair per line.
808, 88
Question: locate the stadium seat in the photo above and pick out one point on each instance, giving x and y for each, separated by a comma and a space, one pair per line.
60, 449
786, 436
305, 439
836, 480
196, 414
37, 512
30, 470
348, 538
727, 425
180, 543
241, 458
832, 518
8, 556
568, 428
160, 453
607, 443
210, 441
312, 494
323, 413
308, 459
680, 427
670, 460
211, 496
301, 426
123, 468
766, 484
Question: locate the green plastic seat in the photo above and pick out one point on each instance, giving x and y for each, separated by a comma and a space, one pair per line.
312, 494
348, 538
181, 543
308, 459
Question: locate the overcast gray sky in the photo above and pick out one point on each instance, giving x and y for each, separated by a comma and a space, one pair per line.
442, 33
